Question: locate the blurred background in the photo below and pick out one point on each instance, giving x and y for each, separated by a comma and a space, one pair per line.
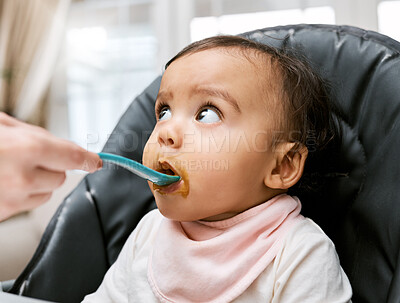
73, 66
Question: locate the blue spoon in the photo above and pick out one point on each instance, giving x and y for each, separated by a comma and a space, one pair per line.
139, 169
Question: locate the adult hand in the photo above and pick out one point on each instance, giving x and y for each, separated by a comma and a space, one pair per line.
33, 163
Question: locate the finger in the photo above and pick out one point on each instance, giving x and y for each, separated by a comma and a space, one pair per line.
43, 181
7, 120
60, 155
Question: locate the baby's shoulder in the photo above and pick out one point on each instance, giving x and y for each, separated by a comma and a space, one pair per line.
307, 226
307, 231
307, 266
308, 258
150, 219
147, 228
307, 239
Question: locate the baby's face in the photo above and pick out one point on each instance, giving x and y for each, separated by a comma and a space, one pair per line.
213, 129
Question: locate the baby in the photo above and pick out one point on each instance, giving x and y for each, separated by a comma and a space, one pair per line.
233, 120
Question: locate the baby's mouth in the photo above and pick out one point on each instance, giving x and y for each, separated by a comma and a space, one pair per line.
166, 168
182, 186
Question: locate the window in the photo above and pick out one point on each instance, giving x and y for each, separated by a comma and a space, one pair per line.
388, 18
107, 66
203, 27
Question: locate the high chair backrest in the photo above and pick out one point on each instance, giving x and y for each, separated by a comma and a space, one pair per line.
357, 204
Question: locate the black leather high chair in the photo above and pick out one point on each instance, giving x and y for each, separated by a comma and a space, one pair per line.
358, 204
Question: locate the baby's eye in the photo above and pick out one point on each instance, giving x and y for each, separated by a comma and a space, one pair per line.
164, 114
208, 115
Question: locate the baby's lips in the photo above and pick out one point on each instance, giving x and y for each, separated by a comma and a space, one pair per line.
164, 166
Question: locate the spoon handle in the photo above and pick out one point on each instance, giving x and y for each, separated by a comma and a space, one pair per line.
139, 169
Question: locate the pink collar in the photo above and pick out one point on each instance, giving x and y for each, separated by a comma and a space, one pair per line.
217, 261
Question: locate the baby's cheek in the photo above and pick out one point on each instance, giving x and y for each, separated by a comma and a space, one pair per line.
149, 154
210, 177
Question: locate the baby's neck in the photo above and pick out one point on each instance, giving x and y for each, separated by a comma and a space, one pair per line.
228, 215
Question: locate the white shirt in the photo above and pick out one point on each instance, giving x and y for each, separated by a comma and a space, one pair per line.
306, 269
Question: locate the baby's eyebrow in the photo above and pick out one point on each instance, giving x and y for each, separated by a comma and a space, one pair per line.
219, 93
164, 95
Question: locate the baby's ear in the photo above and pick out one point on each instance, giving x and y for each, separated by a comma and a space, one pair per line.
289, 165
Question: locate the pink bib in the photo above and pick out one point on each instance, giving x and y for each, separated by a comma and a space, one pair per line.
217, 261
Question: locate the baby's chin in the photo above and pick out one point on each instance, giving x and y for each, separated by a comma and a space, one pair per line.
175, 215
176, 208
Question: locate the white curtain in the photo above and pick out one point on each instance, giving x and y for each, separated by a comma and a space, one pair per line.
31, 33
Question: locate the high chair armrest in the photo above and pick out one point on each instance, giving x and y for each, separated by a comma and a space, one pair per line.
10, 298
5, 286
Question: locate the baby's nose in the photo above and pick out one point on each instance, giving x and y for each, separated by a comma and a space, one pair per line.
170, 136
